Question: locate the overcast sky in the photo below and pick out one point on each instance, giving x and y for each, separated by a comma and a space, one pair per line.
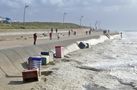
111, 14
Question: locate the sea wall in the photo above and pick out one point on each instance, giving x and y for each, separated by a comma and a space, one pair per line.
101, 39
13, 61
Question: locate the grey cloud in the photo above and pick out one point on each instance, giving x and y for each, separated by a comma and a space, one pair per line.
114, 2
68, 3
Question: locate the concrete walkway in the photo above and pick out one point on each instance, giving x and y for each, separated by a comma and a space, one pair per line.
21, 40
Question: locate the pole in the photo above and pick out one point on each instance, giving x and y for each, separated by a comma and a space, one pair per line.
81, 20
64, 17
24, 14
96, 25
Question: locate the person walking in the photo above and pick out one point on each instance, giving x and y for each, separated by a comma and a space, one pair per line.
89, 32
56, 30
86, 32
58, 36
75, 33
51, 30
69, 33
35, 38
50, 35
121, 35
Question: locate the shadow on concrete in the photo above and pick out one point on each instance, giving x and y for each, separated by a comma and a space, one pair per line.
24, 65
13, 76
46, 73
15, 82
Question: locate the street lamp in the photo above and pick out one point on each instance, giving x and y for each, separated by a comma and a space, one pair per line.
81, 20
96, 25
64, 14
24, 14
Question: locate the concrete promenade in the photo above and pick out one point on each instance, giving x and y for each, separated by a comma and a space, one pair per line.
16, 39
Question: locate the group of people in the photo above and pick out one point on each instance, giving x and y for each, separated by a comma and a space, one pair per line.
88, 32
71, 31
50, 35
57, 34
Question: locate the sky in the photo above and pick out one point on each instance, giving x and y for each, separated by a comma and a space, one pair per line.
108, 14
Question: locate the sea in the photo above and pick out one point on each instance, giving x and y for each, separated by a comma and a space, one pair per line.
111, 65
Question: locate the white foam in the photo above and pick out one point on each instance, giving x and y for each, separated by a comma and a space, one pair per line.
73, 47
109, 65
101, 39
121, 68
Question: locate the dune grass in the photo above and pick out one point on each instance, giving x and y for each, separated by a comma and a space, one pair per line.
37, 25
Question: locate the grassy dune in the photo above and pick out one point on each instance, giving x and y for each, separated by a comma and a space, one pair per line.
38, 25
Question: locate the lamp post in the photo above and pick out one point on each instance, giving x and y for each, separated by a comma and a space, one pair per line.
24, 14
81, 20
96, 25
64, 14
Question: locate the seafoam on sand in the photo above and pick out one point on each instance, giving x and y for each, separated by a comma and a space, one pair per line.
107, 66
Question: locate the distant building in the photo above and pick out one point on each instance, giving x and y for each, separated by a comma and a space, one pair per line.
1, 19
5, 20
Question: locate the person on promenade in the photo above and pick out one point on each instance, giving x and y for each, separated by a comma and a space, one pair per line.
51, 30
50, 35
58, 37
75, 33
56, 30
89, 32
69, 33
121, 35
35, 38
86, 32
